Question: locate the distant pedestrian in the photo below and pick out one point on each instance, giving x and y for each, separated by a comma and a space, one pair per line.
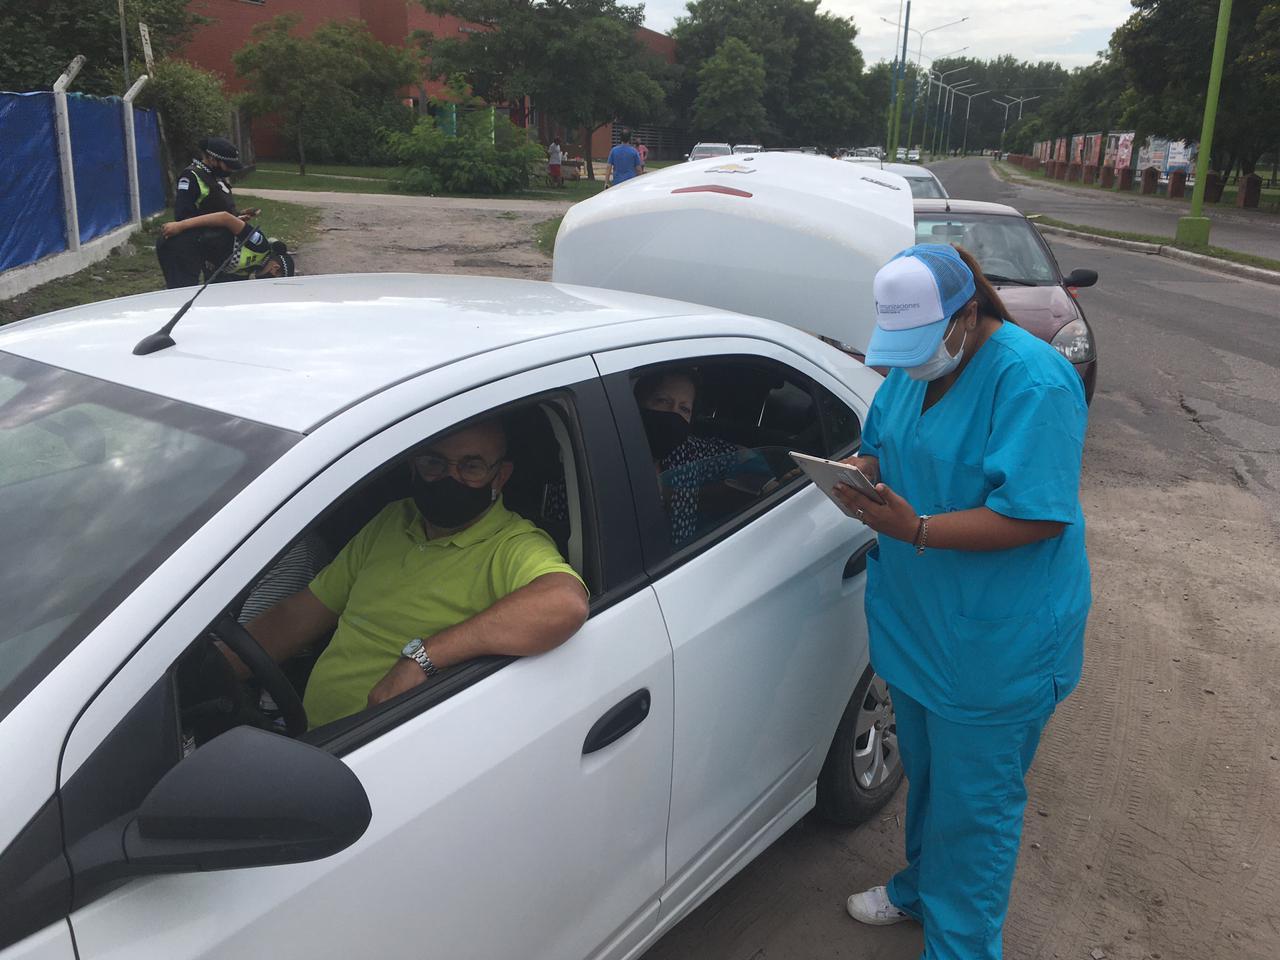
643, 149
624, 162
555, 157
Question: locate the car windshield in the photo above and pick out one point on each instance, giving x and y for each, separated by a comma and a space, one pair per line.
99, 483
925, 188
1006, 247
713, 150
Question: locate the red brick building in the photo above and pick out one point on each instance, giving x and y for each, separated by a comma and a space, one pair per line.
390, 21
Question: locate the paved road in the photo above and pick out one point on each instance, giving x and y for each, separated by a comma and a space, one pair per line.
1246, 231
1153, 829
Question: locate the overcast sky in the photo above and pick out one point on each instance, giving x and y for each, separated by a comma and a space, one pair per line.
1069, 31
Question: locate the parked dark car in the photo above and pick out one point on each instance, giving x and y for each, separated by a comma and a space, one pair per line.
1021, 266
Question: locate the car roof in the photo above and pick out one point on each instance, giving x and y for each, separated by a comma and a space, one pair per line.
292, 352
939, 205
710, 143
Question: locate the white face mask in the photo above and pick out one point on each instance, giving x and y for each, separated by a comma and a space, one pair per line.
941, 363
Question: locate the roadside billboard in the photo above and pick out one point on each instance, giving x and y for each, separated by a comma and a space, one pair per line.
1093, 143
1179, 157
1124, 150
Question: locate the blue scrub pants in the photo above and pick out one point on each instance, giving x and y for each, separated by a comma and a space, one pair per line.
964, 823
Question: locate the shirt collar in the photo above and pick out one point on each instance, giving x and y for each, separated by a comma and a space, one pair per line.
493, 520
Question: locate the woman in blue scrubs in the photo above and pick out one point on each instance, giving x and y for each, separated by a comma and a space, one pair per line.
977, 600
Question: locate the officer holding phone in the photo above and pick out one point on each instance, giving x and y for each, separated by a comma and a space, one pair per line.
977, 599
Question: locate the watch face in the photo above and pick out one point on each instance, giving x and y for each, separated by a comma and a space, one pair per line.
411, 647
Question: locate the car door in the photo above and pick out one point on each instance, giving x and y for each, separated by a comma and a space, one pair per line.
764, 610
506, 822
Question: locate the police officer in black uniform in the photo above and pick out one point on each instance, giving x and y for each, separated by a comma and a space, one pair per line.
203, 185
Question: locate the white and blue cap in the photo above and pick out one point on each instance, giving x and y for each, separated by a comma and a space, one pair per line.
917, 292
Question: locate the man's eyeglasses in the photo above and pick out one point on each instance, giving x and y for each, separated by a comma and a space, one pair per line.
473, 470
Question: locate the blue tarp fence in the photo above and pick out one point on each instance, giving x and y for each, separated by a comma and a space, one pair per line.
31, 201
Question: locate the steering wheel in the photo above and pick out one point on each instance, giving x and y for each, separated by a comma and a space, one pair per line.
267, 672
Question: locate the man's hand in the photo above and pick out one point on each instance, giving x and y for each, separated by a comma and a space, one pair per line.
170, 229
894, 518
405, 675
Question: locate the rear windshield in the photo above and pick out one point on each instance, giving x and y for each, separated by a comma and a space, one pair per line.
711, 151
925, 188
99, 483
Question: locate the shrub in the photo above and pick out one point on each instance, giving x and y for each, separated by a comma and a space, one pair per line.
488, 154
192, 103
355, 134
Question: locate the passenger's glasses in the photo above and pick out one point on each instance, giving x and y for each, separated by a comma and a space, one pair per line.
471, 470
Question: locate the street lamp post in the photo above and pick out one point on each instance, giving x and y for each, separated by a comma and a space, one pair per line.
952, 93
1193, 230
928, 98
896, 106
919, 58
1012, 100
937, 123
968, 104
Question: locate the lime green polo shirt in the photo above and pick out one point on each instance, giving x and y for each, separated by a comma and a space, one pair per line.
391, 584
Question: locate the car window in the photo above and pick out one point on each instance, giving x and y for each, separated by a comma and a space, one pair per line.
719, 432
99, 484
1006, 247
371, 562
924, 188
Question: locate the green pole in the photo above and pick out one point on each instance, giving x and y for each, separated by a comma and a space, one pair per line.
1193, 230
902, 83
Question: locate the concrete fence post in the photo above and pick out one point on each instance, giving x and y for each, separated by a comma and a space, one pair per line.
63, 124
131, 149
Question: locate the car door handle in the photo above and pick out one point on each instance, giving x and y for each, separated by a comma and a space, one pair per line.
619, 719
857, 563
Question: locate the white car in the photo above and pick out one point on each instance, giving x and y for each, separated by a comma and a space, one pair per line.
913, 155
571, 805
701, 151
923, 182
747, 148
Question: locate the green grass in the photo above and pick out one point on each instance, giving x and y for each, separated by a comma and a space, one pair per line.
133, 267
544, 235
1220, 253
331, 169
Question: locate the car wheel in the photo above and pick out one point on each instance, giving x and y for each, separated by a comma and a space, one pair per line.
863, 767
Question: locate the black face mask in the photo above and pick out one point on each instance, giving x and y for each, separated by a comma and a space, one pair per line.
665, 431
448, 504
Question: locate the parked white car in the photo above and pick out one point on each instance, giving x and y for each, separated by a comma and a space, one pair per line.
571, 805
923, 182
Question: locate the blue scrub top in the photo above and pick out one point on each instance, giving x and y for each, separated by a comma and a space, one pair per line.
995, 636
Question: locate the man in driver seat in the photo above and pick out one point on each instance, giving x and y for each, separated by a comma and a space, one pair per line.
445, 576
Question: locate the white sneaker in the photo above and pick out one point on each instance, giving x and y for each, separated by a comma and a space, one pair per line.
874, 907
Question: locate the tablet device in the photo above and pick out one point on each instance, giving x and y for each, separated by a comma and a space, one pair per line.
827, 473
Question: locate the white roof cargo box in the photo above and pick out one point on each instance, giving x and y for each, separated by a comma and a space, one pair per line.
790, 237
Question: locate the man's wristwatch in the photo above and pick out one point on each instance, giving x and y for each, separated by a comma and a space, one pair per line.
416, 650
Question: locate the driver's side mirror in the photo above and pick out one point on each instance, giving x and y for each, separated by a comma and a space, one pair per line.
1081, 278
247, 798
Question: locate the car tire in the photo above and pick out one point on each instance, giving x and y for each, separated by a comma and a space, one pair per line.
863, 767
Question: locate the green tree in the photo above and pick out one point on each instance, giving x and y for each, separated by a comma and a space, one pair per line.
578, 61
192, 103
40, 39
730, 87
313, 83
1165, 49
813, 72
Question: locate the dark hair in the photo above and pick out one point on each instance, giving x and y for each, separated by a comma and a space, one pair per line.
649, 383
989, 302
626, 136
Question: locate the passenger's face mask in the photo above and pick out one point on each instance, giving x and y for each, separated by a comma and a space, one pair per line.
942, 362
666, 431
448, 504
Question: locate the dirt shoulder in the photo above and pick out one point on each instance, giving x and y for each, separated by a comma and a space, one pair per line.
382, 233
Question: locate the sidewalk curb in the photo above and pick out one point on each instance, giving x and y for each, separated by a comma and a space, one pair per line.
1172, 253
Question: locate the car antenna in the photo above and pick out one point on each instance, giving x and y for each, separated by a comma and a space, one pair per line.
161, 339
